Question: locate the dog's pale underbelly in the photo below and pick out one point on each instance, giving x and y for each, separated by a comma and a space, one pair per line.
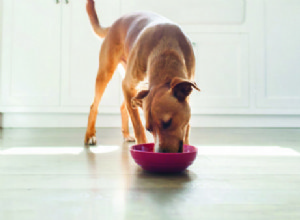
143, 85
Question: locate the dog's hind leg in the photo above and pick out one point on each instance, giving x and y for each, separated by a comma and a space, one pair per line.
108, 61
125, 124
123, 109
129, 91
139, 130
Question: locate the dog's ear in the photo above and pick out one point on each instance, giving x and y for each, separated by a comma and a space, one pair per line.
182, 88
137, 101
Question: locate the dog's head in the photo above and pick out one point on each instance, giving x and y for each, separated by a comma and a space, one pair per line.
167, 113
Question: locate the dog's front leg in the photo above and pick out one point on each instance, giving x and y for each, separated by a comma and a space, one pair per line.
129, 92
187, 135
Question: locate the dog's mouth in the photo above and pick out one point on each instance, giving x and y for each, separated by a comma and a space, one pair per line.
166, 150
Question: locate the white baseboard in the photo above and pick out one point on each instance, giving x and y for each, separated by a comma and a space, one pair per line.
11, 120
272, 121
57, 120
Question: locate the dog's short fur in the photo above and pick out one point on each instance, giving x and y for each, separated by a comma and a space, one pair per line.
152, 48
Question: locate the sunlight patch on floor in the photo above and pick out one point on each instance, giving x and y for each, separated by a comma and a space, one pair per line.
247, 151
56, 150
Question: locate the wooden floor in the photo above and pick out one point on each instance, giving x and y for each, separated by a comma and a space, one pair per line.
239, 174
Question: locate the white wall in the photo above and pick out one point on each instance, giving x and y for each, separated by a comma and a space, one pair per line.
247, 65
1, 13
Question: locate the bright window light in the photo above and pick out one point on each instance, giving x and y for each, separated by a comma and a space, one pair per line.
41, 150
247, 151
56, 150
103, 149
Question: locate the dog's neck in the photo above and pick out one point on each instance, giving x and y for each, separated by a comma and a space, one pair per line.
164, 66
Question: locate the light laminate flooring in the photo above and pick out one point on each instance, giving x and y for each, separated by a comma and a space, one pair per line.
239, 173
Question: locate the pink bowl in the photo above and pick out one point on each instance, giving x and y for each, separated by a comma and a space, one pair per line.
163, 162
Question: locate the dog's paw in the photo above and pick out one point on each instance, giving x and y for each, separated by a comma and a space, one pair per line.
91, 141
129, 139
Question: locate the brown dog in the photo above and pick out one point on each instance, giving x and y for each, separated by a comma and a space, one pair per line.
152, 48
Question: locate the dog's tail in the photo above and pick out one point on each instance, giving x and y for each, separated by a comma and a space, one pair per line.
90, 8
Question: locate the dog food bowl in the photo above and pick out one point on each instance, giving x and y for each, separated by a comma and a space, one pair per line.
144, 155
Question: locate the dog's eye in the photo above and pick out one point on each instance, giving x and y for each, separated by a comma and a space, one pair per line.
166, 124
